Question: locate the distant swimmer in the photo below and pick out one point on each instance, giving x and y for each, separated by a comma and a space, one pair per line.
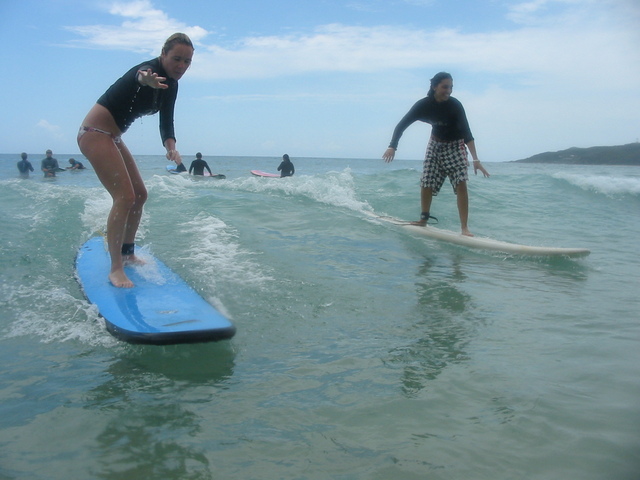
24, 166
75, 165
447, 149
286, 168
198, 166
49, 165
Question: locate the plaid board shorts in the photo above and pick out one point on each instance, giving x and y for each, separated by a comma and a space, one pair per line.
442, 160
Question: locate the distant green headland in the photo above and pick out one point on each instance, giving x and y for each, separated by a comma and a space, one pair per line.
616, 155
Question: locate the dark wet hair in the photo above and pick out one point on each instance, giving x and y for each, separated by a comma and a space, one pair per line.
435, 81
24, 155
176, 39
285, 157
198, 155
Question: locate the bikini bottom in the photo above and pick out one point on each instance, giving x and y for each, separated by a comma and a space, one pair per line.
83, 130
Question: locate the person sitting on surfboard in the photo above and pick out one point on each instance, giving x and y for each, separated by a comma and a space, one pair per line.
145, 89
446, 154
198, 166
286, 168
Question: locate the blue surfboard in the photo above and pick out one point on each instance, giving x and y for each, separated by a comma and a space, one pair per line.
161, 309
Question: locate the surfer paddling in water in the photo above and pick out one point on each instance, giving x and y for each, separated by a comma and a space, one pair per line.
447, 149
145, 89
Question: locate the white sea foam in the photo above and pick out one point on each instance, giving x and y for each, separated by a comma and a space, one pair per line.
149, 269
52, 314
334, 188
215, 252
96, 211
604, 184
171, 185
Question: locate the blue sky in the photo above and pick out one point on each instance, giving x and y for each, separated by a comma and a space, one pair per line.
328, 78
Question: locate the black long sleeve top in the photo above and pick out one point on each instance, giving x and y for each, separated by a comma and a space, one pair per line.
127, 100
447, 118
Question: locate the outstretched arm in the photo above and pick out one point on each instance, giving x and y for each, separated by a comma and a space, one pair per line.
411, 116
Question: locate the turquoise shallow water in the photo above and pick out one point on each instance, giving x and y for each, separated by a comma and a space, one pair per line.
361, 351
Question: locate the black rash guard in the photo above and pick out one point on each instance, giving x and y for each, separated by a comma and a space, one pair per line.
127, 100
198, 166
286, 168
24, 167
447, 118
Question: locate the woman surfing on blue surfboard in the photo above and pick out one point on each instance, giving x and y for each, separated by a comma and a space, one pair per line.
447, 149
146, 89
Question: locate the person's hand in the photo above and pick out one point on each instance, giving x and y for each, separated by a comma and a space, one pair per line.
477, 165
389, 154
174, 156
150, 79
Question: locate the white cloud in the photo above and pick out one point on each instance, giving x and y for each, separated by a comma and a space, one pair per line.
53, 130
330, 48
144, 29
579, 41
526, 12
587, 55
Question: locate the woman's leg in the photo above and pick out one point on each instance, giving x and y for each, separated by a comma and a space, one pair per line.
140, 193
111, 168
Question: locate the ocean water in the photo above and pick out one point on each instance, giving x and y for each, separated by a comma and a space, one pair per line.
362, 352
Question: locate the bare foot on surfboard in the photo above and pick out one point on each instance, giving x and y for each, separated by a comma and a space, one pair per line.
119, 279
466, 232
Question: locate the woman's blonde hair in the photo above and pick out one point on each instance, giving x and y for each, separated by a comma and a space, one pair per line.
176, 39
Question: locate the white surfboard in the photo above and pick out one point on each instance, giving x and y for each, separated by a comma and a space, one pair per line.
484, 243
